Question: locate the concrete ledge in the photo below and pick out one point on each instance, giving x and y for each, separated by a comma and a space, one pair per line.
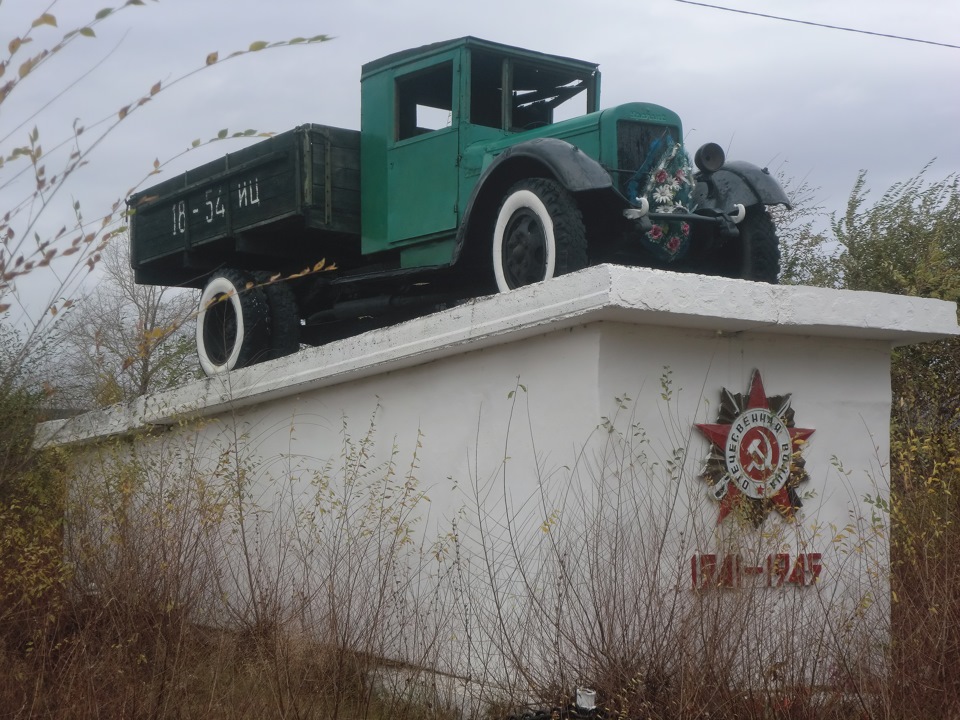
638, 296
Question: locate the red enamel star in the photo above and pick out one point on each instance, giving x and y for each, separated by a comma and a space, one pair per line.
755, 461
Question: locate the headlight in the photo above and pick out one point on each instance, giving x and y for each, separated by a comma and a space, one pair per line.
709, 158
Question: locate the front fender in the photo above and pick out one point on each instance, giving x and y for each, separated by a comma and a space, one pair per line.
541, 157
566, 163
737, 182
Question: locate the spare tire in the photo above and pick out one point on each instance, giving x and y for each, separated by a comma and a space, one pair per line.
232, 325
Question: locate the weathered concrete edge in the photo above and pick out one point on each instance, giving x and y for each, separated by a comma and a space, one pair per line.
606, 292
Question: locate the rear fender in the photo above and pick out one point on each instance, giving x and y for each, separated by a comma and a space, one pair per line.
737, 182
542, 157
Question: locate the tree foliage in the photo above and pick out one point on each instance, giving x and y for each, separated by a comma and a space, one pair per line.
123, 339
806, 256
908, 243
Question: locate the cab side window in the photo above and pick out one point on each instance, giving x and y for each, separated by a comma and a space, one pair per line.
424, 101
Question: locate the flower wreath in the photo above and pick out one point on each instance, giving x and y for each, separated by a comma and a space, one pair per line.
668, 189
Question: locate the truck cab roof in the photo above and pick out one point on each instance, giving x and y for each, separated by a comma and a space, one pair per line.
404, 57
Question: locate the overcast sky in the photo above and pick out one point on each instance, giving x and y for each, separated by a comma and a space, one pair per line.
819, 104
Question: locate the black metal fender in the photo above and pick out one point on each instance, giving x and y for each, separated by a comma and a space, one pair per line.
541, 157
737, 182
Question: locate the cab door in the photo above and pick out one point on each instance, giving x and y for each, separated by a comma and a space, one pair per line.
422, 158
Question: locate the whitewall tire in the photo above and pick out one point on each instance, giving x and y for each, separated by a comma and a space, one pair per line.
539, 234
232, 327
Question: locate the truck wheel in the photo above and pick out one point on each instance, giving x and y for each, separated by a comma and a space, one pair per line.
760, 247
539, 234
232, 324
284, 317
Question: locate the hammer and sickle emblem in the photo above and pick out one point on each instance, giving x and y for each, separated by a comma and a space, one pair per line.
761, 458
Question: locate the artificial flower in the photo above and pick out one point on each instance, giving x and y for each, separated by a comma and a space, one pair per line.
663, 195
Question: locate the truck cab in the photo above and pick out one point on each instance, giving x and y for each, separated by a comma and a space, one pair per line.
432, 119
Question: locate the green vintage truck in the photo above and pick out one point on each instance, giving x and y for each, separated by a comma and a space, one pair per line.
478, 168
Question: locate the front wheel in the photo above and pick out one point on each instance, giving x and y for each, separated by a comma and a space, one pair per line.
759, 247
539, 234
232, 326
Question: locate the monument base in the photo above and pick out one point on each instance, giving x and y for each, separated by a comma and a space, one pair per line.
619, 463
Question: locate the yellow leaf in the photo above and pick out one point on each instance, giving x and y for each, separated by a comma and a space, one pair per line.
45, 19
258, 45
14, 45
212, 58
26, 68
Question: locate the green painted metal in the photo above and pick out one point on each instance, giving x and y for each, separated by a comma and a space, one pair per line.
416, 181
284, 198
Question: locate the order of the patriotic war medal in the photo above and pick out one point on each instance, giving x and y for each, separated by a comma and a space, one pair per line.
754, 465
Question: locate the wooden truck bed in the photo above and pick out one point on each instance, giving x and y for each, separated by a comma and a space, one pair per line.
276, 205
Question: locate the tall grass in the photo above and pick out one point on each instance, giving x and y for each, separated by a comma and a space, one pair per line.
195, 578
185, 590
589, 583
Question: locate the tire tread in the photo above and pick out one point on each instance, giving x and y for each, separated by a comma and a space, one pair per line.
283, 316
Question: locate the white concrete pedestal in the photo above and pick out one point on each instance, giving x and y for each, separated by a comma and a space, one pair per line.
559, 454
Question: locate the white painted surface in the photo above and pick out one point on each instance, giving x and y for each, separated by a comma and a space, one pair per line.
538, 409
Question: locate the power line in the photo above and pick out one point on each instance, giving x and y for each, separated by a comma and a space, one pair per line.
823, 25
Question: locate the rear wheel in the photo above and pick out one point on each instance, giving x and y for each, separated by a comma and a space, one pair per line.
283, 315
539, 234
232, 326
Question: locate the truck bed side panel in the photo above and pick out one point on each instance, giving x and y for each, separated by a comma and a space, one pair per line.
284, 197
